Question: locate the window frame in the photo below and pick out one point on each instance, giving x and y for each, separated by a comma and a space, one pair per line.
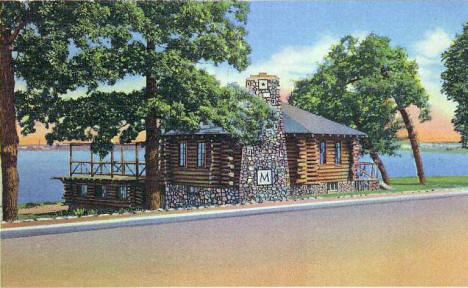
85, 186
324, 160
332, 186
103, 191
338, 159
119, 192
185, 153
203, 164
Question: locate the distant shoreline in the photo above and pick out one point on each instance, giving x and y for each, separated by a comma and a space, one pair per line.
59, 147
424, 146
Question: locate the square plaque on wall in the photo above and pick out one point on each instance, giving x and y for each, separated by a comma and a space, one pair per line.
263, 84
264, 177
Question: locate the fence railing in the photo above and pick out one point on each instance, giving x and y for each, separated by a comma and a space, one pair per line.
367, 170
367, 175
113, 167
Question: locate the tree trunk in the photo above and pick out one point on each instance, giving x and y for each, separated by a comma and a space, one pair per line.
376, 158
464, 141
414, 145
8, 135
153, 134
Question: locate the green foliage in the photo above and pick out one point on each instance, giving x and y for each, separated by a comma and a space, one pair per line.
244, 115
349, 88
91, 212
58, 49
113, 39
79, 212
455, 81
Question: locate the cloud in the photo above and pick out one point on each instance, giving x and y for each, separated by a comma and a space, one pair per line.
291, 63
427, 53
434, 43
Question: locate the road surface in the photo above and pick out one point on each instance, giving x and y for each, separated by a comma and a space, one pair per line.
411, 243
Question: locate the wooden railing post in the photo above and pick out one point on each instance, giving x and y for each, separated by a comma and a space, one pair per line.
92, 161
122, 159
137, 170
112, 162
70, 159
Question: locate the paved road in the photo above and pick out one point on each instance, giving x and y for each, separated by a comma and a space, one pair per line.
423, 242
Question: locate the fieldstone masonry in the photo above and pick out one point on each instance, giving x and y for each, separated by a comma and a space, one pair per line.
264, 171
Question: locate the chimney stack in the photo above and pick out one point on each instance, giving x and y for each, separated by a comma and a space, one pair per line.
265, 86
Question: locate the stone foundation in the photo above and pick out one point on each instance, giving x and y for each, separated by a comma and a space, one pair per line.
183, 196
321, 188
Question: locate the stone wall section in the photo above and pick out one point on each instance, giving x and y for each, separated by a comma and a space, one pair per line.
183, 196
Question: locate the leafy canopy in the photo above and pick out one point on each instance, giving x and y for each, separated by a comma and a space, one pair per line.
164, 40
361, 84
455, 79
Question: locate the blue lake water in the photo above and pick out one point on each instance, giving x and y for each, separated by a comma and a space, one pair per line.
36, 168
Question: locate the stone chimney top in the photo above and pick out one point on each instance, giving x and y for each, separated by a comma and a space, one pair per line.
262, 75
265, 86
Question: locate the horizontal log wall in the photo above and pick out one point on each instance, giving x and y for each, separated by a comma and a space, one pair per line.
222, 161
72, 194
304, 156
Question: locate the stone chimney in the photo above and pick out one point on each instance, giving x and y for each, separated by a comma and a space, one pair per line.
265, 86
264, 171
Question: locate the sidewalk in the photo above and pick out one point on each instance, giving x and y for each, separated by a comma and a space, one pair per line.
75, 224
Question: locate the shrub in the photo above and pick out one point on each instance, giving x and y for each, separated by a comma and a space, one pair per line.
91, 212
79, 212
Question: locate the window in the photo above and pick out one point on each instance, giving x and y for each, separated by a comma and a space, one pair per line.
332, 186
201, 155
338, 152
123, 192
83, 190
101, 191
323, 156
182, 154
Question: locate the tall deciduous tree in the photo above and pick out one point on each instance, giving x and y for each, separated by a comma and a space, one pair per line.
373, 66
35, 43
455, 81
163, 41
336, 92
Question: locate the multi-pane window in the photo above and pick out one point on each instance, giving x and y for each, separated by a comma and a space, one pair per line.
323, 153
201, 156
338, 152
182, 154
83, 190
101, 190
123, 192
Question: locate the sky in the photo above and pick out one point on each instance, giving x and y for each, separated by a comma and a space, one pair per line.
289, 38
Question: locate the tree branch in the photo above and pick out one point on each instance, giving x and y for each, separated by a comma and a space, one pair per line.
20, 26
353, 80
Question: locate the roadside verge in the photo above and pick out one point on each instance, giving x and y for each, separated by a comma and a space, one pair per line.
232, 211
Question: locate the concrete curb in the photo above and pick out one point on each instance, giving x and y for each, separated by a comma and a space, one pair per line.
18, 232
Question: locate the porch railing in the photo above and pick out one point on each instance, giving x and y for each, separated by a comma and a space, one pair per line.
113, 167
367, 173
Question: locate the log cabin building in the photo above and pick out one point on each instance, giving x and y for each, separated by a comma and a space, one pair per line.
302, 154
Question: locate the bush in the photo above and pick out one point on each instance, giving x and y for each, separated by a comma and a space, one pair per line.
79, 212
91, 212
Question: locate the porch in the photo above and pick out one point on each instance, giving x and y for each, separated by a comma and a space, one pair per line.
116, 180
